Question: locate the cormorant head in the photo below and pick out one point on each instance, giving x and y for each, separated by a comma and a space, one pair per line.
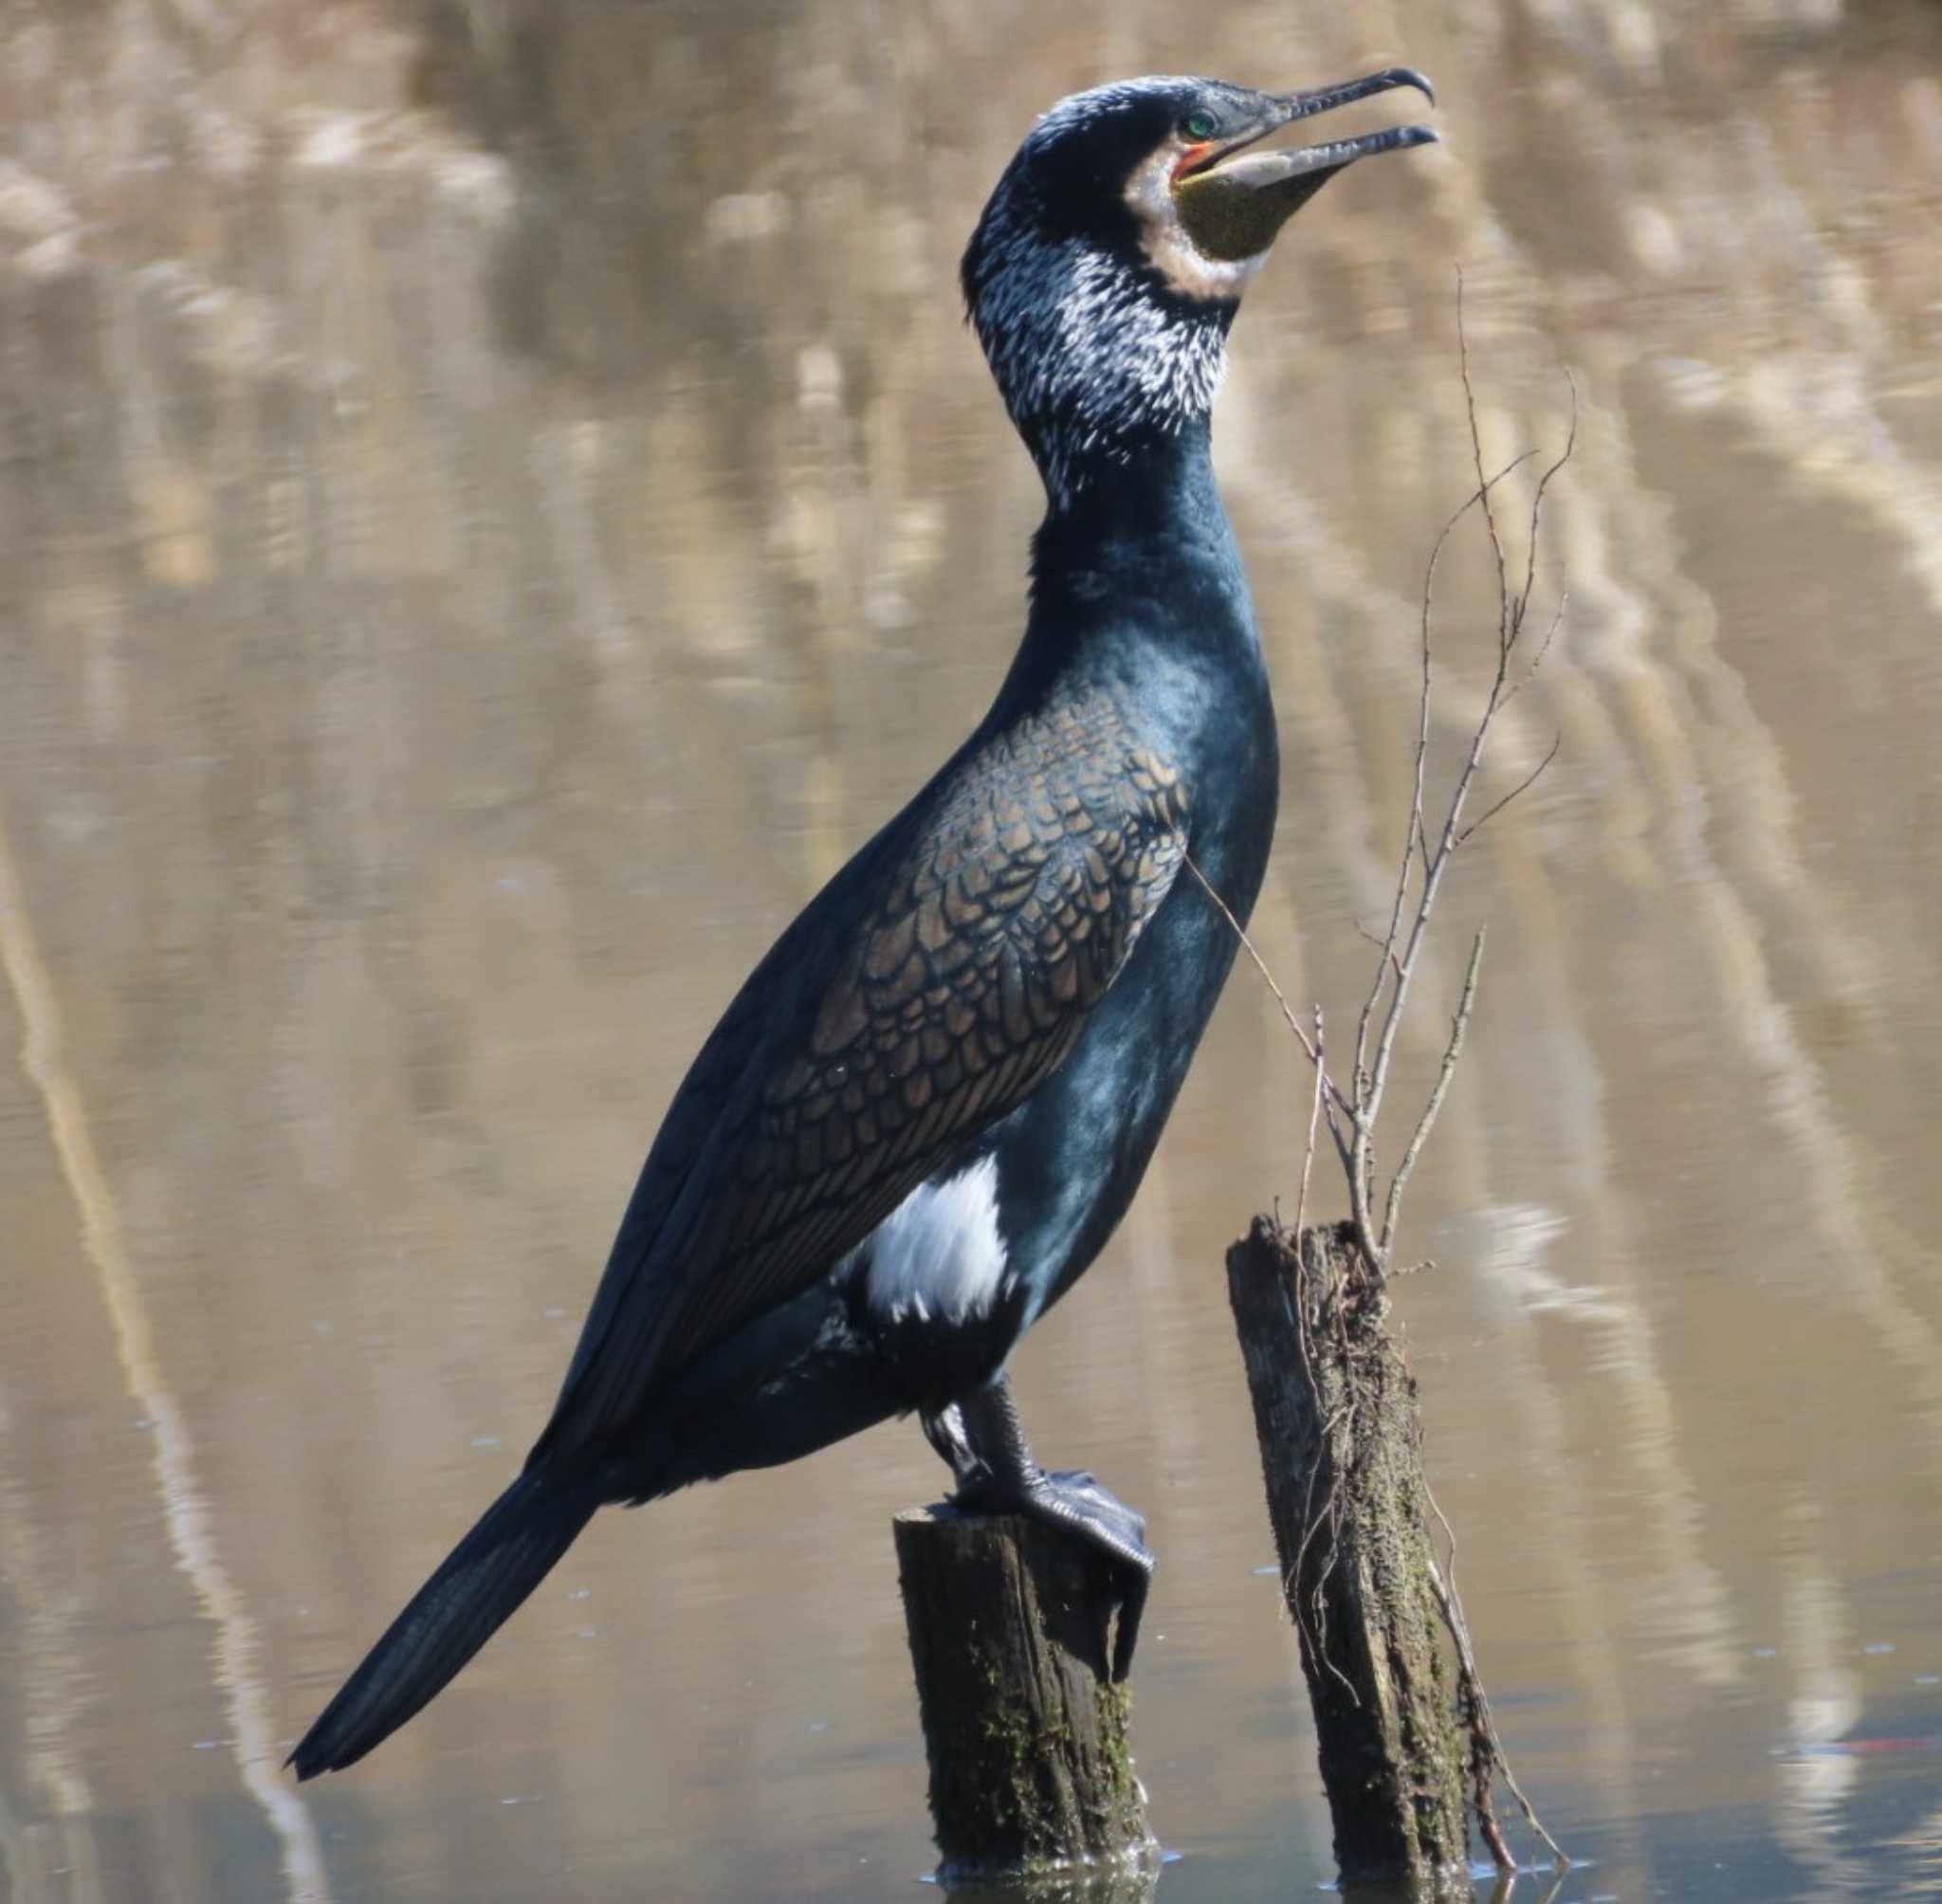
1111, 257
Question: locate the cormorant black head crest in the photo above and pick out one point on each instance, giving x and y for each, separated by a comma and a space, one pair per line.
1110, 258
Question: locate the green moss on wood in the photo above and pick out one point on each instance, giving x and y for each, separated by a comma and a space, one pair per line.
1031, 1767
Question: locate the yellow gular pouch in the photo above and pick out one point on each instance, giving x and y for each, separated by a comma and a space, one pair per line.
1195, 240
1231, 212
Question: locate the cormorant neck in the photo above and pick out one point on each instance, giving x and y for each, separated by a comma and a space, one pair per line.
1144, 538
1154, 478
1100, 361
1118, 396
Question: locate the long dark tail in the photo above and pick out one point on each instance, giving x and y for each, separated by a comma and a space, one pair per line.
513, 1547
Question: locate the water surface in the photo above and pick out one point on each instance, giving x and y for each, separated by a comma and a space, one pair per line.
497, 501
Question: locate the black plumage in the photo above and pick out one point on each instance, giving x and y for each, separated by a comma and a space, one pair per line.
923, 1114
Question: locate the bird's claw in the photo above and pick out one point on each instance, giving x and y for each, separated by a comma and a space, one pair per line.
1133, 1584
980, 1437
1073, 1500
1079, 1485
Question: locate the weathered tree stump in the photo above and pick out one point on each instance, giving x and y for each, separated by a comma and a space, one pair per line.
1336, 1412
1025, 1732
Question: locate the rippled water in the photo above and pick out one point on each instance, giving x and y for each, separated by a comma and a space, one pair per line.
495, 499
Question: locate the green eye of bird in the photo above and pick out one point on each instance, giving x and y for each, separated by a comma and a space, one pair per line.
1200, 125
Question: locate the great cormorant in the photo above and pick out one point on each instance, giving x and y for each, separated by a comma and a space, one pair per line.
924, 1113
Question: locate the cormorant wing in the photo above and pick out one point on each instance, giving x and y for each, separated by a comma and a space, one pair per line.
919, 998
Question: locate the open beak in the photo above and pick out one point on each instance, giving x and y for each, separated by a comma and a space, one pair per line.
1234, 200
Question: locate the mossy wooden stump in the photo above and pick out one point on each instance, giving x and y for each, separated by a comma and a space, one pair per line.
1336, 1412
1025, 1732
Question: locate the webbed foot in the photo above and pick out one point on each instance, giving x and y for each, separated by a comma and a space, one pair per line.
984, 1442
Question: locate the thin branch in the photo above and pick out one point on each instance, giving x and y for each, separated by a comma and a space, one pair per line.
1523, 786
1451, 1610
1510, 611
1241, 932
1343, 1149
1544, 647
1451, 1052
1308, 1156
1484, 488
1361, 931
1489, 515
1550, 635
1352, 1116
1369, 1078
1544, 483
1417, 838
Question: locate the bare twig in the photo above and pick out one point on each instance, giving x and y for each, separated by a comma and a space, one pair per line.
1487, 1746
1241, 932
1353, 1113
1435, 1102
1544, 647
1490, 514
1537, 495
1336, 1099
1417, 839
1353, 1106
1361, 931
1523, 786
1308, 1156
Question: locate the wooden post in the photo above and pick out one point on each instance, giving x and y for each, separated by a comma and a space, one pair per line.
1025, 1732
1336, 1417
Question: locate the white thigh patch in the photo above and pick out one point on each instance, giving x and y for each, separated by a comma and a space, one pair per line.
939, 1253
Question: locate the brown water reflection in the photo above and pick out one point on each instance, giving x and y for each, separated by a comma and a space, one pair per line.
495, 498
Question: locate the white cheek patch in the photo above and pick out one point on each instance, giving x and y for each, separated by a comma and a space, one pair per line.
1183, 266
938, 1252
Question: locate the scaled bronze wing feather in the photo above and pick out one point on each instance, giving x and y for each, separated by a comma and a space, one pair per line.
994, 933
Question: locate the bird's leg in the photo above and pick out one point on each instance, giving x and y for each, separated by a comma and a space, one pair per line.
984, 1442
